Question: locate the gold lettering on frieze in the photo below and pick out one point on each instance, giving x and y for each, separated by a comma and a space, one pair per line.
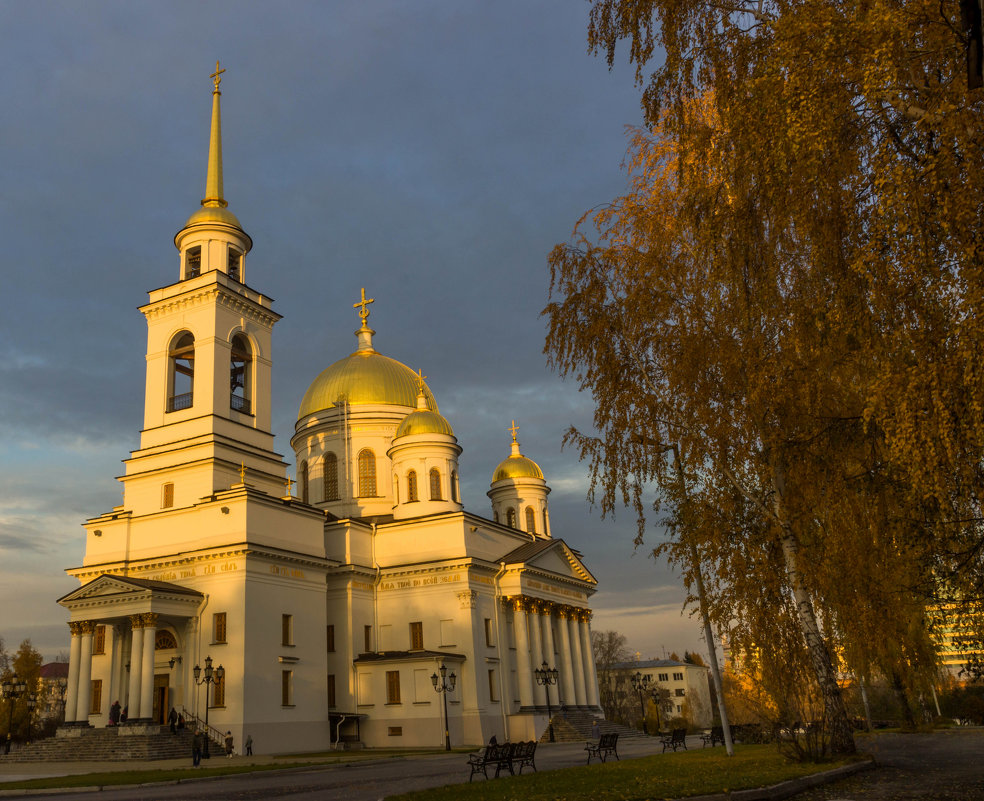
169, 576
288, 572
361, 585
483, 580
188, 572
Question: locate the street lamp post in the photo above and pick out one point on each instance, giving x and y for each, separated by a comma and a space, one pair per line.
13, 689
212, 676
640, 684
32, 699
444, 684
547, 677
657, 694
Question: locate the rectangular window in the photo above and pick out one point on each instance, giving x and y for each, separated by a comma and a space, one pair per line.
95, 697
395, 731
287, 688
679, 692
193, 264
677, 677
167, 495
368, 634
392, 686
234, 259
331, 690
99, 641
664, 676
287, 629
218, 692
417, 636
489, 639
331, 638
493, 687
219, 627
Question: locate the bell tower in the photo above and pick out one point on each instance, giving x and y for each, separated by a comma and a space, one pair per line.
208, 385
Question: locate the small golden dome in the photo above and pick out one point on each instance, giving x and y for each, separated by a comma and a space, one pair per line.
517, 467
364, 377
213, 214
424, 421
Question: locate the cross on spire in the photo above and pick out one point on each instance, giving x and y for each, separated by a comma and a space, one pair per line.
242, 472
364, 303
289, 483
420, 381
217, 76
514, 428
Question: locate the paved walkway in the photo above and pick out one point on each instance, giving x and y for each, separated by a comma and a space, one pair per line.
935, 766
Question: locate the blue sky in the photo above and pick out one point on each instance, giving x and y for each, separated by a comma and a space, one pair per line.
433, 152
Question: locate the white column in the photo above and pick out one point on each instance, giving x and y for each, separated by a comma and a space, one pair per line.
579, 696
523, 674
74, 655
565, 664
553, 693
147, 674
136, 661
85, 675
536, 653
590, 672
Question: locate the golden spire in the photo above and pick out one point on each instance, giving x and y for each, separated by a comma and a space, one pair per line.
213, 176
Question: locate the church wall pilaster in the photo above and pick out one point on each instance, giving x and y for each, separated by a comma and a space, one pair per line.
74, 657
590, 674
524, 674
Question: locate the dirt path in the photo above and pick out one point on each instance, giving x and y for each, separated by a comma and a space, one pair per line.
937, 766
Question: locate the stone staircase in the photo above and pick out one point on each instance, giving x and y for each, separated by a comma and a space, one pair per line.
106, 745
574, 726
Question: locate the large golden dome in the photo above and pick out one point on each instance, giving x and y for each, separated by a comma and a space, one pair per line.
364, 377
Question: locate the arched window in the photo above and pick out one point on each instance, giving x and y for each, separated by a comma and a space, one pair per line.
367, 473
546, 528
235, 260
240, 374
331, 477
193, 262
302, 479
435, 479
511, 517
164, 640
530, 520
495, 516
412, 486
454, 486
181, 372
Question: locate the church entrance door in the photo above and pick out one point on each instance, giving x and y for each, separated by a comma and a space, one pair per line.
161, 698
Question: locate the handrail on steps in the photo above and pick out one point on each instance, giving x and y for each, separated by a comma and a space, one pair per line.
213, 734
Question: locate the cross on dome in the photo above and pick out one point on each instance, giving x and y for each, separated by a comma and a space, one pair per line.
514, 428
364, 303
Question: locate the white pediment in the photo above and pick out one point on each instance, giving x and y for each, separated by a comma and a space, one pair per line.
560, 560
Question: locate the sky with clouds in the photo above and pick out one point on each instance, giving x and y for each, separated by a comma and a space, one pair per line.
432, 152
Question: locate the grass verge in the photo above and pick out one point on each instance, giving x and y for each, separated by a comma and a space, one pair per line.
664, 776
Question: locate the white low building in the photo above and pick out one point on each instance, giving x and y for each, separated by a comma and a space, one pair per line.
329, 604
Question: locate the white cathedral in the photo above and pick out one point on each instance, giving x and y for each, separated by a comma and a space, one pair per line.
333, 603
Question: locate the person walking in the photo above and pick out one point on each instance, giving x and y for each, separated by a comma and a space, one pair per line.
172, 720
197, 742
114, 714
249, 745
228, 744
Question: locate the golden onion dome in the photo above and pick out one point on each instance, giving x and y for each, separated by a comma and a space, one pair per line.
517, 467
424, 421
364, 377
213, 214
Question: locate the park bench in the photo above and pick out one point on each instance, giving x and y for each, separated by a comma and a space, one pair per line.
713, 737
675, 739
602, 749
521, 755
506, 755
497, 755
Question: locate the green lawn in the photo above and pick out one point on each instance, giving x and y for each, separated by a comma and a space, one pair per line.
664, 776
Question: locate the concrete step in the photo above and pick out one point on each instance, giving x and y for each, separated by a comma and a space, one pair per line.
97, 745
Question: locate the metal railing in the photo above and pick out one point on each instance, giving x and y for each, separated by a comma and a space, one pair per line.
194, 722
177, 402
239, 404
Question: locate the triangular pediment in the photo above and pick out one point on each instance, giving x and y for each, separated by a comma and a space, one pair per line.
120, 587
551, 556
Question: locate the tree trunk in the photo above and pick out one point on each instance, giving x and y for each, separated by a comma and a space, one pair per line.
867, 708
841, 734
899, 686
